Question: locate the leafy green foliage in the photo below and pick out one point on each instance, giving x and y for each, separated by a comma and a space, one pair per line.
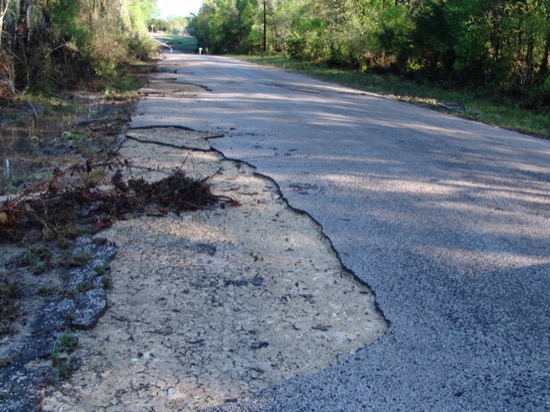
228, 26
500, 45
59, 43
64, 16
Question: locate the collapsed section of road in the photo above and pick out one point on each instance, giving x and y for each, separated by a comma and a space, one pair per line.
216, 304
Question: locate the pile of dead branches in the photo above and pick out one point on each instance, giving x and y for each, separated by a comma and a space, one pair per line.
50, 210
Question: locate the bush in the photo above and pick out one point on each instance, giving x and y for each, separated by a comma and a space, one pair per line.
59, 43
539, 95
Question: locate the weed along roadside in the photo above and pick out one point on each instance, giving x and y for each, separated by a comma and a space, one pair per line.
215, 304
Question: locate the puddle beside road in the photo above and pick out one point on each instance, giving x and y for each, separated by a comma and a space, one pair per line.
80, 127
21, 145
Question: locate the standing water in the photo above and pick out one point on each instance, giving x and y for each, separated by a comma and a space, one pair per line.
22, 149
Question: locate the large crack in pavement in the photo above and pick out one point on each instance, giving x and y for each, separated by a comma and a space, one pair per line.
213, 306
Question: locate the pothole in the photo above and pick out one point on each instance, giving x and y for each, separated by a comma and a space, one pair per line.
171, 86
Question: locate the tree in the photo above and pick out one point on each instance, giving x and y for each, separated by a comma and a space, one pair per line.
227, 25
54, 42
4, 6
501, 43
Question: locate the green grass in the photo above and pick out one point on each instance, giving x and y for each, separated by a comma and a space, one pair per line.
186, 44
64, 365
37, 258
480, 106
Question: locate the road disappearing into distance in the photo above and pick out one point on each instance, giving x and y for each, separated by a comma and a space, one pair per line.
446, 220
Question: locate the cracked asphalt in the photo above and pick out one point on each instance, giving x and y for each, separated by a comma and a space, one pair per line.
211, 306
447, 221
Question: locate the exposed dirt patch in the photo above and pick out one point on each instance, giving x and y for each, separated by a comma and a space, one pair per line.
214, 305
69, 130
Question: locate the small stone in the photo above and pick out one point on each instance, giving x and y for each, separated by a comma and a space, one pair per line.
258, 281
259, 345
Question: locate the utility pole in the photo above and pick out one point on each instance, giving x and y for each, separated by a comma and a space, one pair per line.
265, 26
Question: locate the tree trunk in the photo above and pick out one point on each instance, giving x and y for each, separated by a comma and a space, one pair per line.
24, 20
3, 10
22, 37
543, 70
264, 39
544, 64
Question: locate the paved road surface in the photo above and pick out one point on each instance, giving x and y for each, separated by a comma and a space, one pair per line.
448, 221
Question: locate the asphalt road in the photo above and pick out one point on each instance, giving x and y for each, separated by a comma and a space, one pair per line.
447, 220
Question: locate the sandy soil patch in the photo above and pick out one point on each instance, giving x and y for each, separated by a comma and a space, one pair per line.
213, 306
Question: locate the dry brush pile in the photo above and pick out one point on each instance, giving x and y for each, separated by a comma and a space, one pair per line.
58, 206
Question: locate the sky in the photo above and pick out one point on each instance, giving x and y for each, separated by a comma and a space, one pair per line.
178, 8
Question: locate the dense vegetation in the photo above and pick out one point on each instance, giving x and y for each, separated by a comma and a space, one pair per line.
172, 25
497, 45
48, 44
